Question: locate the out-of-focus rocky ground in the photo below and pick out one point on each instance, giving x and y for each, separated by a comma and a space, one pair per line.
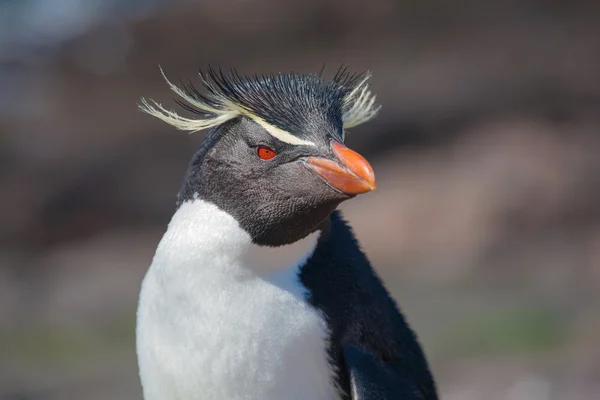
486, 221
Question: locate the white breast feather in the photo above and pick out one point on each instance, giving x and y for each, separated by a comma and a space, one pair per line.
215, 324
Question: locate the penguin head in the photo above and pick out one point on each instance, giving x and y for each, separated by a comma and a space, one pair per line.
274, 156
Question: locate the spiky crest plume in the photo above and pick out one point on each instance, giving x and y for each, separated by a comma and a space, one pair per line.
281, 102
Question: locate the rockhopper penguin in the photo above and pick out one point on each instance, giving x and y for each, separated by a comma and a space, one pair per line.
216, 320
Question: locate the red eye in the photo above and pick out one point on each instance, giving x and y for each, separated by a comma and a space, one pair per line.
265, 153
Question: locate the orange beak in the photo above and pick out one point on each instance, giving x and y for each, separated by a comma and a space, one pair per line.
351, 175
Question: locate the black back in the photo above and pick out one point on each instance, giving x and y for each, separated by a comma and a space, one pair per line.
371, 343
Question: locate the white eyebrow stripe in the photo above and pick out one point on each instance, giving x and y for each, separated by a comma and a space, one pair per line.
280, 134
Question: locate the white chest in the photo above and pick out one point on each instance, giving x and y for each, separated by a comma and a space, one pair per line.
209, 327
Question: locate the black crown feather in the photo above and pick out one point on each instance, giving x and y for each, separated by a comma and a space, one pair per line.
281, 100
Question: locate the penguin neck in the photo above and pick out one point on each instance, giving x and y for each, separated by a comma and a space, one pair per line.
203, 239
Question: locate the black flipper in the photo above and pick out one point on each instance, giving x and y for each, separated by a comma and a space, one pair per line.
372, 380
372, 349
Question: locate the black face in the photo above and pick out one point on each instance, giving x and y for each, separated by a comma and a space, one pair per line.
278, 200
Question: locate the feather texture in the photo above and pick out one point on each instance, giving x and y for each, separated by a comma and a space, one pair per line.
279, 102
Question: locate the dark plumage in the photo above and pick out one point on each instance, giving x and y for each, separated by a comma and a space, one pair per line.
370, 340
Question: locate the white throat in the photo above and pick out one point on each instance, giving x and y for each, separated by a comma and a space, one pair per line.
200, 231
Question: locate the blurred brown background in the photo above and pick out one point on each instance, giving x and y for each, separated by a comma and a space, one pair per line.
485, 224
